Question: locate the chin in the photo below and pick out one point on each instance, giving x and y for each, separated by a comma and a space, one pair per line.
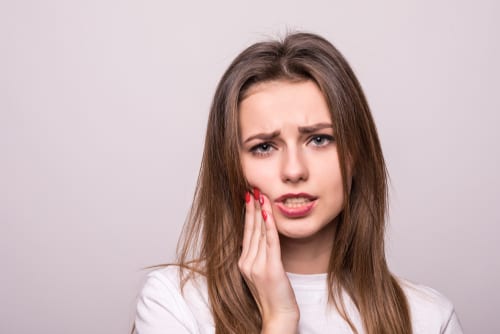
305, 228
297, 228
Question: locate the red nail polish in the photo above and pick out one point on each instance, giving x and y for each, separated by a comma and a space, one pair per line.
247, 197
256, 194
261, 199
264, 215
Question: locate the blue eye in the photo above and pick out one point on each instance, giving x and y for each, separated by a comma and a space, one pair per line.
262, 149
321, 140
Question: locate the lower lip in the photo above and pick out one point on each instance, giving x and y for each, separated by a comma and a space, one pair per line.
297, 212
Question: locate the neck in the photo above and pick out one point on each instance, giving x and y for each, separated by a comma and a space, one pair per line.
309, 255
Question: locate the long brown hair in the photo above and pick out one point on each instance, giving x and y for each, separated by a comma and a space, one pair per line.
211, 240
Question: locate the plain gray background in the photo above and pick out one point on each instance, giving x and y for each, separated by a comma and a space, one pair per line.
103, 107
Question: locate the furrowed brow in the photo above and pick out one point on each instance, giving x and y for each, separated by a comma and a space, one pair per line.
314, 127
263, 136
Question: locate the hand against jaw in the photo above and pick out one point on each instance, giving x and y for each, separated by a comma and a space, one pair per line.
261, 266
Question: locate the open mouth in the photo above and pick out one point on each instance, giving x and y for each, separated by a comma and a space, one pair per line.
296, 205
296, 202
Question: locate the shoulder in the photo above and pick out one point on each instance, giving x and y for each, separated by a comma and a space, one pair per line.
431, 311
164, 306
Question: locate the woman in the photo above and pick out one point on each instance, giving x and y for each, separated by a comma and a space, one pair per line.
286, 231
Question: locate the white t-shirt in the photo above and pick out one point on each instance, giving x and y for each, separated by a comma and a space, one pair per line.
163, 309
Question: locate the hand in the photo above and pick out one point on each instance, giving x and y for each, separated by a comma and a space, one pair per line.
261, 266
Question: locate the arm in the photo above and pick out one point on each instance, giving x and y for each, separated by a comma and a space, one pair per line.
162, 309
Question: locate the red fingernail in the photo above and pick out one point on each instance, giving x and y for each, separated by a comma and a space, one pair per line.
247, 197
264, 215
261, 199
256, 194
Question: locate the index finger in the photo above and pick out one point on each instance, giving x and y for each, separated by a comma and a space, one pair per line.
272, 236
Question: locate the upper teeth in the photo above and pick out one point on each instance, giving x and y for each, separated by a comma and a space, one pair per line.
296, 201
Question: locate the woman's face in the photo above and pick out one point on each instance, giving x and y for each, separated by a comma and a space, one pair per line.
288, 151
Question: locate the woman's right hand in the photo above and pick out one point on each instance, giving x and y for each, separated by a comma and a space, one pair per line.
261, 266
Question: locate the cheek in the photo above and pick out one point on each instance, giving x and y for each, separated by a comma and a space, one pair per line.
258, 173
331, 177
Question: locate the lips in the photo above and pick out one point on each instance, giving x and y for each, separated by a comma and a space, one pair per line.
296, 205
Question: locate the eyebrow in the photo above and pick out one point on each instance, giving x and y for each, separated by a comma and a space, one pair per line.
314, 127
263, 136
302, 129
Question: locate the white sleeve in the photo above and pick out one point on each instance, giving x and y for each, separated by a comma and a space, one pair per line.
161, 308
453, 325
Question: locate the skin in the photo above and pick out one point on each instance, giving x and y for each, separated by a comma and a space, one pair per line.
294, 161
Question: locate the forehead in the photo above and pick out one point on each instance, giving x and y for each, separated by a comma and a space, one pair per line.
273, 105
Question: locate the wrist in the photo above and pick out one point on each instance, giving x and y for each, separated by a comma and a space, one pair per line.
288, 324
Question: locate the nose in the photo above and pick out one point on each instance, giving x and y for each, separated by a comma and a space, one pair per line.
294, 166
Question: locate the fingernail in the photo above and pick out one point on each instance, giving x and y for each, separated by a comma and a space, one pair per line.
247, 197
256, 194
261, 199
264, 215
